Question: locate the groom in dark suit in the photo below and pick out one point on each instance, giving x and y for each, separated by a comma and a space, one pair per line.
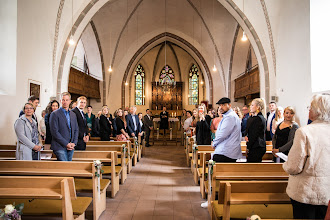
64, 129
82, 123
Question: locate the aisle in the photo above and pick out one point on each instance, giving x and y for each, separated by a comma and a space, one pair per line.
160, 186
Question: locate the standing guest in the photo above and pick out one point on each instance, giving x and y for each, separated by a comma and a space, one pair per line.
194, 122
133, 125
278, 118
121, 125
227, 141
114, 125
148, 126
35, 102
140, 116
42, 125
96, 125
211, 113
82, 123
183, 116
308, 163
238, 112
284, 134
270, 117
90, 118
164, 119
215, 123
27, 134
105, 124
203, 132
52, 106
187, 122
125, 112
64, 129
256, 126
246, 115
72, 105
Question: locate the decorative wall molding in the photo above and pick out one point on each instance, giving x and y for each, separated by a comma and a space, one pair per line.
102, 61
57, 27
231, 59
270, 33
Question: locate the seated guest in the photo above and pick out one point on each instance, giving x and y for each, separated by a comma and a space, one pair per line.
90, 118
256, 126
278, 118
105, 124
42, 126
187, 122
27, 134
308, 163
52, 106
121, 125
82, 123
284, 134
64, 129
203, 132
215, 123
148, 126
227, 141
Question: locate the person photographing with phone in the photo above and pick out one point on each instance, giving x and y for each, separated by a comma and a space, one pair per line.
203, 132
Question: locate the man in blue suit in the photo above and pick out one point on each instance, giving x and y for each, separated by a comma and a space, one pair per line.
133, 125
64, 130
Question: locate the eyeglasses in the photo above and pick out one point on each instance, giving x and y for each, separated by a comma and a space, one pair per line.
29, 108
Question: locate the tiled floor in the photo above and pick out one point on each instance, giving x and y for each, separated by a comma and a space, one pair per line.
160, 186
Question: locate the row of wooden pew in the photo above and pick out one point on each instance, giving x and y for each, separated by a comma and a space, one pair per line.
239, 190
64, 179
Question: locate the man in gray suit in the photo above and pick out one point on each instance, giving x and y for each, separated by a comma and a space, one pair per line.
64, 130
148, 126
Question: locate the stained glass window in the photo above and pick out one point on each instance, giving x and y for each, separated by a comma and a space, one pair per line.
139, 85
193, 85
166, 75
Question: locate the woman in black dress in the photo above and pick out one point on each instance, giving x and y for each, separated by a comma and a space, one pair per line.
105, 124
121, 125
52, 106
256, 126
203, 131
284, 134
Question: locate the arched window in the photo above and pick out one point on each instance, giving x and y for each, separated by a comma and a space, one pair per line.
166, 75
139, 85
193, 85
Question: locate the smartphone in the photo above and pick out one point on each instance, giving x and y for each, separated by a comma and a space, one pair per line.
200, 111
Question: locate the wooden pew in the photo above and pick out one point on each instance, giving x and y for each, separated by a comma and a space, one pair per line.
78, 170
239, 199
116, 143
48, 192
189, 144
7, 147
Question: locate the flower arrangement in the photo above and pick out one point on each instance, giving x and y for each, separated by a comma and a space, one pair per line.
253, 217
98, 165
12, 211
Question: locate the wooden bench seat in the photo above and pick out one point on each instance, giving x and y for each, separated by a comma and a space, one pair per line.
7, 147
239, 199
56, 194
83, 172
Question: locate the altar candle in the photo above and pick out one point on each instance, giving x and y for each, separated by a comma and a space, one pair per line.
156, 107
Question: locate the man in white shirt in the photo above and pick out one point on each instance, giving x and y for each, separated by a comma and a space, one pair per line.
270, 117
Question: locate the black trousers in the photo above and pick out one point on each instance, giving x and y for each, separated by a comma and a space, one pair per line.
308, 211
147, 135
223, 159
255, 155
268, 137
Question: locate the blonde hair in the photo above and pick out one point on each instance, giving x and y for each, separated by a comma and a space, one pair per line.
321, 106
291, 109
81, 98
104, 107
277, 110
261, 104
65, 94
239, 113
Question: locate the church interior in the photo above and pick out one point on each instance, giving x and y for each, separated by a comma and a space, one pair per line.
161, 53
